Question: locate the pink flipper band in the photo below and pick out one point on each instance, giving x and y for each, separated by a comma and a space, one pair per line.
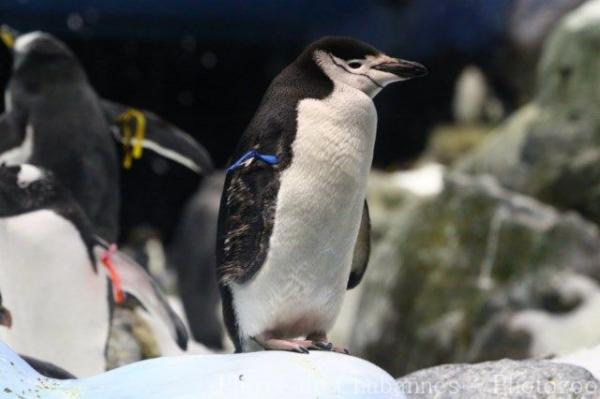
106, 260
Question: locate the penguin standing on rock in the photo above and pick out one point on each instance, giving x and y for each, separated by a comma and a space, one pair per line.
57, 278
294, 225
55, 119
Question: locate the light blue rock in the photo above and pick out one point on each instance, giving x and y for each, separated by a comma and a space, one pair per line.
251, 375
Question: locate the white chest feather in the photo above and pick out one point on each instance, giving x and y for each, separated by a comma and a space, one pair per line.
302, 283
58, 304
22, 153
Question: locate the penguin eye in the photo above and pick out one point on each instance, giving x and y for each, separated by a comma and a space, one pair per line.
354, 64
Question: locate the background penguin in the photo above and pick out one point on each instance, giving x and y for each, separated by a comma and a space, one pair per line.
55, 119
294, 225
192, 254
52, 280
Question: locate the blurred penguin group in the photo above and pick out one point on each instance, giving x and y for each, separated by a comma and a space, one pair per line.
63, 152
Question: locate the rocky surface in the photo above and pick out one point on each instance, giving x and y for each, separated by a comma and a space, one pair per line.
470, 273
549, 149
588, 358
528, 25
502, 379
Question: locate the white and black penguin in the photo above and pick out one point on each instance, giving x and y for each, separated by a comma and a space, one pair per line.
294, 224
59, 294
55, 119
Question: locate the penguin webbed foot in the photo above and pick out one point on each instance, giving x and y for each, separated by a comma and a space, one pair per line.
312, 342
290, 345
320, 341
328, 346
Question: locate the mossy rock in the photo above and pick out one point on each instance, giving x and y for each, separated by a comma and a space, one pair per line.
446, 276
550, 149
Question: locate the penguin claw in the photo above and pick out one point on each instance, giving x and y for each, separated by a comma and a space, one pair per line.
343, 351
291, 345
299, 345
323, 345
328, 346
301, 349
320, 342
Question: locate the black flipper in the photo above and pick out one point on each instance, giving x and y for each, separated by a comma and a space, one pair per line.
362, 250
48, 369
245, 222
157, 136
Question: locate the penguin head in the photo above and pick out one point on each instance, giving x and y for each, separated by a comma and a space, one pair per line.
351, 62
26, 188
5, 316
36, 42
40, 57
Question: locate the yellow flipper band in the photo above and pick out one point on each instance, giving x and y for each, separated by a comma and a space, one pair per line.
132, 143
7, 37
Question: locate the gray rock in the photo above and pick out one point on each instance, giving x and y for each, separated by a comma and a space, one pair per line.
549, 149
502, 379
456, 277
528, 25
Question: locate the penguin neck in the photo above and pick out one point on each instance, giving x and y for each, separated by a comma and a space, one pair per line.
338, 132
35, 73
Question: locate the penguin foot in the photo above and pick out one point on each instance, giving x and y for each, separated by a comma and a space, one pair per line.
328, 346
291, 345
319, 340
315, 341
323, 345
340, 350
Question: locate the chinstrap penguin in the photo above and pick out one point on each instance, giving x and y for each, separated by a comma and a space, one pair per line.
51, 278
55, 119
294, 224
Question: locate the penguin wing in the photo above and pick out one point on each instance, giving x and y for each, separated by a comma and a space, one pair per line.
245, 221
362, 250
160, 136
48, 369
249, 199
137, 282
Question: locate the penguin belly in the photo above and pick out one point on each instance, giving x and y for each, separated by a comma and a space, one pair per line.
301, 285
59, 304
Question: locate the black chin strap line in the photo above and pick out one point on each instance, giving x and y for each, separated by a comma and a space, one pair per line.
357, 74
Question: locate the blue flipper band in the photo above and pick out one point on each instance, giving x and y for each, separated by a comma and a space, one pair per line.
253, 154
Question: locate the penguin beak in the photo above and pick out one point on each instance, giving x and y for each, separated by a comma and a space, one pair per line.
5, 317
8, 36
401, 68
